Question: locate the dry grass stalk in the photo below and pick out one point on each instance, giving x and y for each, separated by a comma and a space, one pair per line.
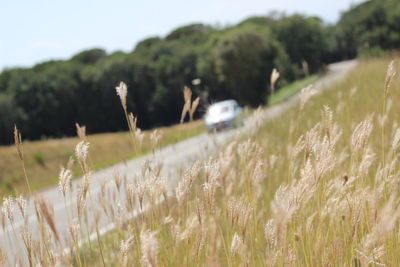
8, 208
46, 213
64, 180
124, 249
80, 131
185, 184
81, 153
27, 239
305, 95
149, 248
391, 72
236, 245
361, 134
21, 202
274, 77
18, 143
122, 92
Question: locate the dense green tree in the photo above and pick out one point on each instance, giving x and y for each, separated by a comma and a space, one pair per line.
303, 39
372, 24
232, 62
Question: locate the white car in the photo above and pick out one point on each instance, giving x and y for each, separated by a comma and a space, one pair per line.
224, 114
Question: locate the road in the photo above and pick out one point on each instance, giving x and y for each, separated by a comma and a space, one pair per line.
173, 158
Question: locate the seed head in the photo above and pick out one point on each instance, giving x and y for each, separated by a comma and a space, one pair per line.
8, 208
389, 76
124, 248
80, 131
81, 151
64, 180
122, 92
305, 95
274, 77
21, 205
361, 134
149, 248
236, 245
18, 143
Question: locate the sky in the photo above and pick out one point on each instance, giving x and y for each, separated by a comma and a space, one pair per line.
33, 31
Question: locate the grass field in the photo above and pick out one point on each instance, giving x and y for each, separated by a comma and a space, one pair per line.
44, 158
315, 187
291, 89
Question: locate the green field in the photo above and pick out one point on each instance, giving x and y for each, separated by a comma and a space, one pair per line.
43, 159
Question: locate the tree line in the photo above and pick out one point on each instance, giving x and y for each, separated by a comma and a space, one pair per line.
231, 62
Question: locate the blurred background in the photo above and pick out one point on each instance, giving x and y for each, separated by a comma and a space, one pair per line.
61, 60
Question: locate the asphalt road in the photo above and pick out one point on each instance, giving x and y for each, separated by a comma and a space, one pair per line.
173, 158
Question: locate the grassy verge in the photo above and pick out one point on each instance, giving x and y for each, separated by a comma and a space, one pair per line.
44, 158
291, 89
315, 187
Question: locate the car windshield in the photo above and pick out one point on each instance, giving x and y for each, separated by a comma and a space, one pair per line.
217, 110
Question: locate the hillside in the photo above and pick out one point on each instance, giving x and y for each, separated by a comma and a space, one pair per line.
315, 186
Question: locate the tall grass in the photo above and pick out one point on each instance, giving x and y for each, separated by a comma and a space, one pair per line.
312, 188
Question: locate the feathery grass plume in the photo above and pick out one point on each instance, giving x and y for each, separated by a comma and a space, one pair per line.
80, 200
149, 248
396, 140
211, 177
185, 184
233, 210
130, 195
139, 137
372, 259
21, 202
367, 159
124, 249
361, 133
274, 77
46, 211
18, 143
257, 120
8, 208
187, 95
192, 223
27, 240
73, 230
236, 245
20, 149
353, 92
81, 151
80, 131
132, 121
305, 95
117, 179
140, 192
391, 72
195, 104
270, 234
199, 211
122, 92
155, 138
64, 180
327, 122
385, 222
